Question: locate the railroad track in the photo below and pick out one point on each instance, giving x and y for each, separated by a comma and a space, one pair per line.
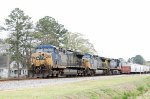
28, 83
18, 79
21, 79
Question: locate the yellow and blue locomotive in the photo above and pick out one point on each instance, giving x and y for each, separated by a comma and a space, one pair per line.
44, 59
101, 65
50, 61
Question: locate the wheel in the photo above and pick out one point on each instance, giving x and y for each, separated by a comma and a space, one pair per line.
92, 73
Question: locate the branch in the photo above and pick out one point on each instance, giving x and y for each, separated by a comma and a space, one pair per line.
2, 28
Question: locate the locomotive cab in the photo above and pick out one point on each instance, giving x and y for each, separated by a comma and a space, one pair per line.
44, 58
87, 60
113, 63
105, 63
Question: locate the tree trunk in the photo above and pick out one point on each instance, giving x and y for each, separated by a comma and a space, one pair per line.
8, 64
17, 47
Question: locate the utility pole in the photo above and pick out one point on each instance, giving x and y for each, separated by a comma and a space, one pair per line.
140, 70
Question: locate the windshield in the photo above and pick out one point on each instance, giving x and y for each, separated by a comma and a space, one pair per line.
86, 56
39, 50
113, 63
48, 50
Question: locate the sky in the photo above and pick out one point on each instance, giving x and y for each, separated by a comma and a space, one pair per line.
117, 28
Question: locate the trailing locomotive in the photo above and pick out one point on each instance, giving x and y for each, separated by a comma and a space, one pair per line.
50, 61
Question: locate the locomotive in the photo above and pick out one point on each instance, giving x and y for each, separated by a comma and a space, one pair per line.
51, 61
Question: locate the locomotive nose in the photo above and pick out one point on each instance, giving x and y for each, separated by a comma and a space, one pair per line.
39, 59
86, 63
84, 60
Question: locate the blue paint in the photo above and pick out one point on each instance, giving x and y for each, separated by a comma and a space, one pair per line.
50, 49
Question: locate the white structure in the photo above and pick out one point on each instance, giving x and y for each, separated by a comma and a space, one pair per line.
23, 72
4, 65
12, 71
3, 73
8, 68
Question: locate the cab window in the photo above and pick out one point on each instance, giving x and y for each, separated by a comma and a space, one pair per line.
55, 50
48, 50
39, 50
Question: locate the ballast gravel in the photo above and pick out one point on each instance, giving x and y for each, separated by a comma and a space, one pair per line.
19, 84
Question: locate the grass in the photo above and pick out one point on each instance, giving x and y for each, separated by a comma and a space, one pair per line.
145, 96
114, 88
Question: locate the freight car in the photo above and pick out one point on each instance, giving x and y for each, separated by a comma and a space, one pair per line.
125, 68
137, 68
130, 68
51, 61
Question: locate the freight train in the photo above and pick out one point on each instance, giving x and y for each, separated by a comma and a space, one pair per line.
51, 61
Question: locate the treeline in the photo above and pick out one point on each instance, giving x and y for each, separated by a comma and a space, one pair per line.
138, 59
24, 36
45, 31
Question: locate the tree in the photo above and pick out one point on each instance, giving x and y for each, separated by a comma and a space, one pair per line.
49, 31
19, 25
131, 60
122, 60
75, 41
138, 59
1, 41
147, 63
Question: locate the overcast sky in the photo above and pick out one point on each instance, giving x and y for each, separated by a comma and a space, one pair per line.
117, 28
